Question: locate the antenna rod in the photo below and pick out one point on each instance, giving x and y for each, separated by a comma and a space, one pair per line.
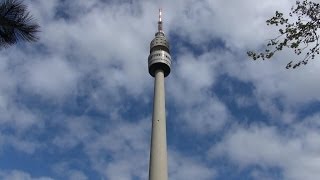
160, 21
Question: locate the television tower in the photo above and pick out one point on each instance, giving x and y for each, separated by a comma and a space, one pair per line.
159, 63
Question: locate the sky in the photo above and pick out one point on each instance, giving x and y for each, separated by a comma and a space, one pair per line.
77, 104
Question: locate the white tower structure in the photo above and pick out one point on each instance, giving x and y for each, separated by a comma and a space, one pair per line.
159, 62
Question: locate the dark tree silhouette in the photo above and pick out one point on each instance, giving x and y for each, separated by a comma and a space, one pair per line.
300, 34
16, 23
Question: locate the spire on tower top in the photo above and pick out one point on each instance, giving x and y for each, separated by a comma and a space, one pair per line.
160, 14
160, 21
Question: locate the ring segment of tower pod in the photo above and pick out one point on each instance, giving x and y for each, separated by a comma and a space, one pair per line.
159, 57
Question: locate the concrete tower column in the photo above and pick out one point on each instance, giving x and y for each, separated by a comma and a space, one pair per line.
158, 169
159, 63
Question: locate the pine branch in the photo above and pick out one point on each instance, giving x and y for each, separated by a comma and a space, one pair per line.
16, 23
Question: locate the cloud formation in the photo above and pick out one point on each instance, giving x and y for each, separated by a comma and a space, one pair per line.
79, 102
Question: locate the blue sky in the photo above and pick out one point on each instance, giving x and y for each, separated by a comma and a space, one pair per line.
77, 104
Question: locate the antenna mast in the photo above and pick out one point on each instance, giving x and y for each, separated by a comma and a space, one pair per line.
160, 21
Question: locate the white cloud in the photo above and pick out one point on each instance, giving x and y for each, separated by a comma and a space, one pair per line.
101, 52
199, 72
293, 151
19, 143
120, 151
76, 130
19, 175
206, 117
279, 92
51, 77
77, 175
187, 168
235, 21
189, 89
64, 170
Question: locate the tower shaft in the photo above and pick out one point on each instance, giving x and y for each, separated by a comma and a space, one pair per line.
159, 64
158, 169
